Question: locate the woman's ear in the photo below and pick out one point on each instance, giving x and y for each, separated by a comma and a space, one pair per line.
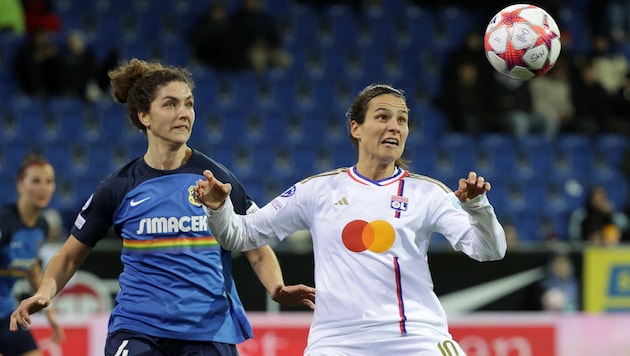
144, 119
354, 130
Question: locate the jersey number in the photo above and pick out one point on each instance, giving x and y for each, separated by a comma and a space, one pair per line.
121, 349
448, 348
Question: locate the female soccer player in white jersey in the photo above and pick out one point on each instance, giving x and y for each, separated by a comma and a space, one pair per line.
177, 295
370, 225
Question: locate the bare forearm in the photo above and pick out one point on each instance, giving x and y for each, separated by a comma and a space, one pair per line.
267, 268
62, 267
55, 277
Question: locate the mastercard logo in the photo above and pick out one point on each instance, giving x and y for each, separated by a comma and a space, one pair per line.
377, 236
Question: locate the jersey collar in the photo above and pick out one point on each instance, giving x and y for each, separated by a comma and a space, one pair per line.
398, 175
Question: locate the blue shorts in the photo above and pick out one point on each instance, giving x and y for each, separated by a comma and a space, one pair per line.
15, 343
131, 343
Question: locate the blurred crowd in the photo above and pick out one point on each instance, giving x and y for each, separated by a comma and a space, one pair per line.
50, 61
586, 92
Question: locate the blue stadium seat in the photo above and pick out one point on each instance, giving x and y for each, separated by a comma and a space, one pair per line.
368, 64
451, 25
12, 155
305, 161
100, 161
343, 26
423, 155
223, 154
253, 161
8, 192
9, 126
336, 62
574, 155
525, 195
535, 228
260, 129
30, 115
294, 129
343, 154
233, 124
58, 153
283, 165
557, 192
455, 156
429, 121
108, 118
324, 95
175, 53
305, 26
535, 157
71, 193
420, 27
67, 114
496, 156
529, 226
573, 191
255, 189
206, 93
610, 149
499, 198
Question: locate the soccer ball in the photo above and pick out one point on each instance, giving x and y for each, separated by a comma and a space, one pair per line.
522, 41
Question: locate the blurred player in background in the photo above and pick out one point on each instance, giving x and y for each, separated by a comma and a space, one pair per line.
177, 294
371, 225
23, 230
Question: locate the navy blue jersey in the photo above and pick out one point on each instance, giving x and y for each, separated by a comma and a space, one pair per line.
176, 281
19, 246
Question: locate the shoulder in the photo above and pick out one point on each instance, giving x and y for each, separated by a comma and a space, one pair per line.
132, 169
8, 209
9, 220
200, 161
112, 188
320, 177
8, 214
43, 224
428, 182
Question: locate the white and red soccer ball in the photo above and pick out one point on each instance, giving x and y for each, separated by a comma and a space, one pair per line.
522, 41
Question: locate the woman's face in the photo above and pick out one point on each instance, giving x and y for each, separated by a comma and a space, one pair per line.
383, 134
172, 114
37, 185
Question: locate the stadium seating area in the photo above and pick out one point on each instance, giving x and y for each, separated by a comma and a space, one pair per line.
275, 128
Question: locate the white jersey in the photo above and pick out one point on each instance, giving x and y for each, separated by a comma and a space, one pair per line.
370, 241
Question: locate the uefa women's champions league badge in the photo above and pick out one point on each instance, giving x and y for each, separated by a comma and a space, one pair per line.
289, 192
399, 203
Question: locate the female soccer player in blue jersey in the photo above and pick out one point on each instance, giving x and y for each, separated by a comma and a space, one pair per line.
177, 295
22, 231
370, 225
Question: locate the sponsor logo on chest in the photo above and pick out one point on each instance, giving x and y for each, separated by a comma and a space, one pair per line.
173, 224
